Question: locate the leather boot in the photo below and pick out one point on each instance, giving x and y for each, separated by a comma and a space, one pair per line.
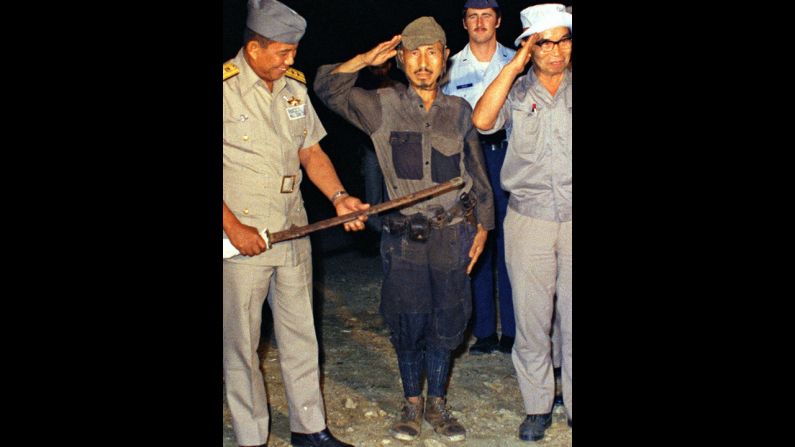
443, 422
407, 428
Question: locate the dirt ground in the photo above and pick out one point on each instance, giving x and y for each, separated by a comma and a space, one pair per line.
360, 380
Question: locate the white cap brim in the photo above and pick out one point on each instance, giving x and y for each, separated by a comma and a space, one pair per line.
563, 20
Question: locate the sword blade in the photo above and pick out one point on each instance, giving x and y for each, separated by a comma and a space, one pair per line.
296, 232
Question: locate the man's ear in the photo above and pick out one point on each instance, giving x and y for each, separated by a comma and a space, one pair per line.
499, 21
252, 46
446, 53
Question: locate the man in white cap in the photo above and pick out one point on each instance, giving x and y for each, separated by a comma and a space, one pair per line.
270, 132
537, 173
472, 70
422, 137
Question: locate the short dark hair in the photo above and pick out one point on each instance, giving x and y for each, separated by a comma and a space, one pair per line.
249, 35
496, 11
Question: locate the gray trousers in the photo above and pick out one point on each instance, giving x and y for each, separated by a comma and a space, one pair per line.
245, 292
539, 262
556, 339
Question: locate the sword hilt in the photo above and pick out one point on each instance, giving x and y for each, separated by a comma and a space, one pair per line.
267, 236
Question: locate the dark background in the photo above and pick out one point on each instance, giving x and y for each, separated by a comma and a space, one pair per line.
113, 179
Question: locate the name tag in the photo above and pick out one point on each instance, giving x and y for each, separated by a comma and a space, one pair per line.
459, 87
296, 112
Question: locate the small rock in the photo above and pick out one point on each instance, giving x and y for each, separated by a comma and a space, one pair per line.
369, 414
349, 430
382, 413
349, 403
496, 386
386, 441
433, 443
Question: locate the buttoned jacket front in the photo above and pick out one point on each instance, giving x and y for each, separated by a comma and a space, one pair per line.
262, 134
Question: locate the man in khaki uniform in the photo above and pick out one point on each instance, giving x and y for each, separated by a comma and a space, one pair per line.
270, 131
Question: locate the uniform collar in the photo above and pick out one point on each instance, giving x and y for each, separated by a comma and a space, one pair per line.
501, 51
416, 102
531, 82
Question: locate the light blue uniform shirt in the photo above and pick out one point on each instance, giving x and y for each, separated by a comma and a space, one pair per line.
466, 78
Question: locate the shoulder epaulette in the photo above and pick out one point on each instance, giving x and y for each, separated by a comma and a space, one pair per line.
230, 70
295, 74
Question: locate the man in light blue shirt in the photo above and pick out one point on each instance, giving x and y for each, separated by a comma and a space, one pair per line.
472, 70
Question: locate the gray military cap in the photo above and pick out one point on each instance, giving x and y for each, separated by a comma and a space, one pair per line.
423, 31
275, 21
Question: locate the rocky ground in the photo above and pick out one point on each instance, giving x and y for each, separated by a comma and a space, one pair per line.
360, 378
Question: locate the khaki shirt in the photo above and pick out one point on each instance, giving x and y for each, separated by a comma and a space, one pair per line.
263, 132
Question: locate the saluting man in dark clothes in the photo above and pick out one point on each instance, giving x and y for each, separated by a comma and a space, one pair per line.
422, 137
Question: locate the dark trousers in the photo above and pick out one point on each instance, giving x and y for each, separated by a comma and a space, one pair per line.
483, 278
426, 302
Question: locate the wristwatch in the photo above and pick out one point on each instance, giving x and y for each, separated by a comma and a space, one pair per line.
338, 194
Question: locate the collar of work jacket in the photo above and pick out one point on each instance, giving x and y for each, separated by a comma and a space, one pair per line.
530, 82
413, 101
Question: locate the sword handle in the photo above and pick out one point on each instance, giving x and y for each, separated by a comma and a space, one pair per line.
267, 236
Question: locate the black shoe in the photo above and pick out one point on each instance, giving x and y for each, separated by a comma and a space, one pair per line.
534, 426
568, 421
322, 438
485, 345
506, 344
558, 387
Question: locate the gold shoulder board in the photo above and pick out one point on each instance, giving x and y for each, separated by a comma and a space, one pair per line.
230, 70
295, 74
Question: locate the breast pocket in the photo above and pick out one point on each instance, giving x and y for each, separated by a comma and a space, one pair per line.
298, 130
238, 133
525, 128
407, 154
445, 158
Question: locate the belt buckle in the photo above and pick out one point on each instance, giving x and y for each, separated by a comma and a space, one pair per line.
288, 184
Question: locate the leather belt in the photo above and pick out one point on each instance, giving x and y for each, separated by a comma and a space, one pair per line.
495, 138
417, 225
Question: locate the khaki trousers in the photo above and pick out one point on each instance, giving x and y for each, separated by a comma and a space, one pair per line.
245, 291
539, 260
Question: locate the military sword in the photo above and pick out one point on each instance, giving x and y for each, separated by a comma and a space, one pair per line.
295, 232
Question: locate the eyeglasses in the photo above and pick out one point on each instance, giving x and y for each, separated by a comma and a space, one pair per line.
547, 45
